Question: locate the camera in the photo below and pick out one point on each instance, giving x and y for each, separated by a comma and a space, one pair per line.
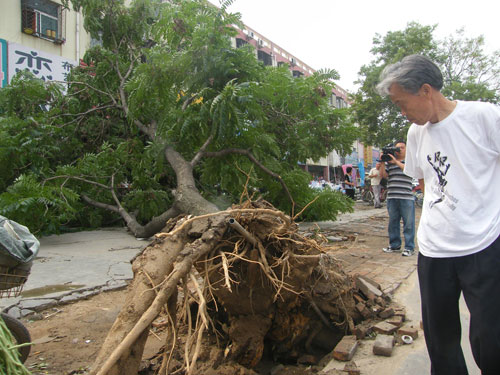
388, 150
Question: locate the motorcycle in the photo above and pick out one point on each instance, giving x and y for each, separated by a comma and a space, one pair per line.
18, 248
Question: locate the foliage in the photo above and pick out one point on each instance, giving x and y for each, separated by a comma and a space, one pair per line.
469, 74
43, 209
327, 203
165, 76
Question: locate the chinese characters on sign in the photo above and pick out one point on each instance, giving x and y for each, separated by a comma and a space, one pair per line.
43, 65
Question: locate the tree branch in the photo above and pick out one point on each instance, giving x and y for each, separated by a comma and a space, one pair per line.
79, 179
97, 204
252, 158
200, 153
88, 111
92, 88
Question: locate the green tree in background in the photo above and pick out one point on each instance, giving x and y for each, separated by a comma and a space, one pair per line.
164, 117
469, 74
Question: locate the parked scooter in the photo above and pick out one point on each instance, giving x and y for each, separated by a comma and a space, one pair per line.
18, 248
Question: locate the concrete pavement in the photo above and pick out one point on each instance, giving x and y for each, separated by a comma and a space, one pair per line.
74, 266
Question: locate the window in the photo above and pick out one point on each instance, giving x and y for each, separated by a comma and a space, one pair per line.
297, 73
240, 42
43, 19
265, 58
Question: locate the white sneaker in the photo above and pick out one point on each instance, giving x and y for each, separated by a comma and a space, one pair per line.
390, 249
408, 252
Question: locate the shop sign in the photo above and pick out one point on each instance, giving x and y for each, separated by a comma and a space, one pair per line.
43, 65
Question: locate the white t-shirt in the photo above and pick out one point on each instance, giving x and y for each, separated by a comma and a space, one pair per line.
376, 179
459, 160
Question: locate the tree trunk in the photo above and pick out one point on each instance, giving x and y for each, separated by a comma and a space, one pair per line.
155, 267
188, 199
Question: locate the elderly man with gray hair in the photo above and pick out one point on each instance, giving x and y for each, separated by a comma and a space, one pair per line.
453, 148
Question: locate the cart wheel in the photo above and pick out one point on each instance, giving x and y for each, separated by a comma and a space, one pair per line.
20, 333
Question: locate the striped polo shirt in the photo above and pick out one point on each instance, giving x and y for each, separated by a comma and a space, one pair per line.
399, 185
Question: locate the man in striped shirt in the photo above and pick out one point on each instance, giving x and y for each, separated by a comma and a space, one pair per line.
400, 202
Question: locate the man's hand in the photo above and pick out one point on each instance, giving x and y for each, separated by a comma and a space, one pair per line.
393, 161
396, 161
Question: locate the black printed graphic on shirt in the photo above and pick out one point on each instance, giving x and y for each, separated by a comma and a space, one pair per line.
438, 163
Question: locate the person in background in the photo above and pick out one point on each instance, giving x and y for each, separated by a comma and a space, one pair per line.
349, 185
400, 202
454, 152
375, 178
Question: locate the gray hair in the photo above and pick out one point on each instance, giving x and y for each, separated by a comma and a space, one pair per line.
410, 73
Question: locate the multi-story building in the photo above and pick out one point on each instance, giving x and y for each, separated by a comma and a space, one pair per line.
40, 36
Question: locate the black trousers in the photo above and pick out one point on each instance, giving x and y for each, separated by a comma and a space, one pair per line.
442, 280
350, 193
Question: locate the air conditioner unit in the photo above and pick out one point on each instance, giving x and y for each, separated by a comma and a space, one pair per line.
292, 60
260, 42
250, 34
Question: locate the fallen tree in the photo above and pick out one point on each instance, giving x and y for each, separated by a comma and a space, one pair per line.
163, 118
245, 275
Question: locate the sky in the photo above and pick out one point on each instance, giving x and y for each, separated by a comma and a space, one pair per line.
339, 34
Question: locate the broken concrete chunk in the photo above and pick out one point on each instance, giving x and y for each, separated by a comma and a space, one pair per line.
372, 282
367, 289
345, 349
384, 344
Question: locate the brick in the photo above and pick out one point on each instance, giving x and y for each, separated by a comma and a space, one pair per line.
345, 349
384, 344
361, 331
395, 320
363, 310
387, 313
371, 281
384, 328
358, 298
367, 289
380, 301
410, 331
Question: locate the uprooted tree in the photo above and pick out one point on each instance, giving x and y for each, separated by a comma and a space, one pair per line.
252, 279
163, 117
